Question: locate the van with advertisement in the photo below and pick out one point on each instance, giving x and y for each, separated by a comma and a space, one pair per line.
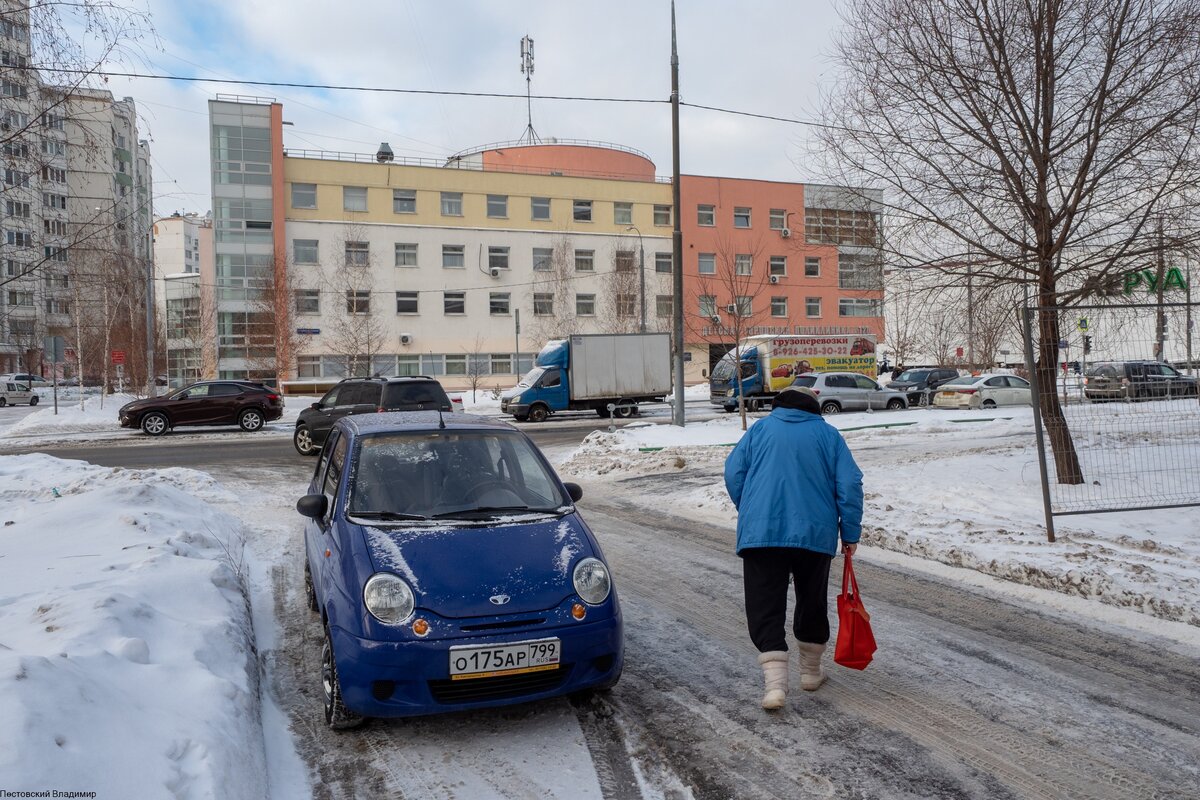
768, 364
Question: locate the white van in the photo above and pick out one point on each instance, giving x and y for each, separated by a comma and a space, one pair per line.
12, 393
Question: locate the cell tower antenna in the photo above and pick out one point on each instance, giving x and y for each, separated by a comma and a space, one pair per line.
527, 71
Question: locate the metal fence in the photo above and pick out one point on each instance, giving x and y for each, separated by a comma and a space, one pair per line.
1122, 430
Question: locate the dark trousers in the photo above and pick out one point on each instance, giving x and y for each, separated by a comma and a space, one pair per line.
767, 572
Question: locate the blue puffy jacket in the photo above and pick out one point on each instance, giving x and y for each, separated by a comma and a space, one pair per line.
795, 484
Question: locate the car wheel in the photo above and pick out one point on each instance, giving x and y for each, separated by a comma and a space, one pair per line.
33, 401
310, 594
3, 402
155, 424
538, 413
250, 420
303, 441
752, 406
521, 417
624, 413
895, 404
830, 408
989, 403
337, 716
729, 409
602, 411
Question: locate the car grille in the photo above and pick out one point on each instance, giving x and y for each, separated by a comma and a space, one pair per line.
504, 405
475, 690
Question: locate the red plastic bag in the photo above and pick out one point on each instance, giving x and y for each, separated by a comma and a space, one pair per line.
855, 641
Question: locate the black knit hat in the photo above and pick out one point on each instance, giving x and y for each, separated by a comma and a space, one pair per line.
800, 397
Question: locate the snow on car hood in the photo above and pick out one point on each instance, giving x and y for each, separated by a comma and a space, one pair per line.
509, 394
453, 571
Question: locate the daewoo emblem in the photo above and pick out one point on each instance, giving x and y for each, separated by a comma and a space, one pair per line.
499, 599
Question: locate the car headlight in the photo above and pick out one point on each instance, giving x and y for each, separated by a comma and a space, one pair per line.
388, 598
729, 393
591, 581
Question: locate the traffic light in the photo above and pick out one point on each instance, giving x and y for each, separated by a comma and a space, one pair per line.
1087, 344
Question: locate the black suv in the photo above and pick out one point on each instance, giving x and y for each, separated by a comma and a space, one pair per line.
366, 396
248, 405
917, 383
1136, 380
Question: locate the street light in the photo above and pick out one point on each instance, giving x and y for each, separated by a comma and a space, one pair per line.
641, 276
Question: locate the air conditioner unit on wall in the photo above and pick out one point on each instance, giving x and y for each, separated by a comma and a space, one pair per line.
716, 318
774, 279
786, 233
494, 272
406, 338
731, 309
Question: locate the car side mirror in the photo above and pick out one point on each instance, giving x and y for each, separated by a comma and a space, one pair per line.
573, 489
316, 405
313, 506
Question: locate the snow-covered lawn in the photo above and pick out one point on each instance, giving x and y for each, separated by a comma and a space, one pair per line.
952, 487
127, 663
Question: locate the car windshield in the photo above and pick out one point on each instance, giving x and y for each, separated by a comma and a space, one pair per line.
531, 377
965, 380
723, 371
913, 375
447, 474
805, 380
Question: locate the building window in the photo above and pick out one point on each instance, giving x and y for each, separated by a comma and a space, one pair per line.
53, 227
743, 264
582, 210
497, 258
741, 217
745, 306
453, 256
454, 302
52, 174
354, 198
15, 177
706, 216
12, 89
708, 305
585, 305
778, 220
14, 208
543, 304
308, 301
852, 307
779, 307
406, 302
501, 363
406, 254
456, 365
539, 208
305, 251
358, 302
498, 303
622, 213
56, 253
53, 147
662, 215
542, 258
304, 195
497, 206
707, 263
626, 305
585, 260
20, 238
812, 266
408, 365
308, 366
664, 305
859, 271
778, 266
452, 204
623, 261
358, 254
662, 263
20, 298
404, 201
58, 201
839, 226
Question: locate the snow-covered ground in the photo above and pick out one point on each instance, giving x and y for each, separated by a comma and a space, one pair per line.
961, 488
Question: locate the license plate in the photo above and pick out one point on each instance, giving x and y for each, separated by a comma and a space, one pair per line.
506, 659
948, 394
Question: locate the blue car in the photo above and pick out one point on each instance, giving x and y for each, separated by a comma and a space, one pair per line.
451, 571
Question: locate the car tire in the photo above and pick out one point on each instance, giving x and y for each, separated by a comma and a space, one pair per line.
3, 402
33, 401
302, 440
337, 716
624, 413
155, 424
538, 413
602, 411
895, 404
989, 404
752, 406
830, 408
521, 417
729, 409
310, 594
251, 420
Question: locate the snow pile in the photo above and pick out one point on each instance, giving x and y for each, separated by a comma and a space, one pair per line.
71, 418
481, 403
127, 662
697, 391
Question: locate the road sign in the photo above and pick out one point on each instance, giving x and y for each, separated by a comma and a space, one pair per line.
120, 370
1083, 324
55, 348
118, 356
308, 331
1063, 344
958, 352
70, 353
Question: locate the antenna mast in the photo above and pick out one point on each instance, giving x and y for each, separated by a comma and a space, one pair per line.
527, 71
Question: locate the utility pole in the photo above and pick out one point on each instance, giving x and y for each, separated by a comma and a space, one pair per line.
970, 315
1160, 318
677, 233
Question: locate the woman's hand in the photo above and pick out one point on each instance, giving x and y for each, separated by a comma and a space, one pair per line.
849, 547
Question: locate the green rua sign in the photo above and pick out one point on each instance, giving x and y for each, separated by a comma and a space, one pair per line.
1173, 279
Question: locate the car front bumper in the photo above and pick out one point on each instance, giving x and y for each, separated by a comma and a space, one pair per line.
516, 409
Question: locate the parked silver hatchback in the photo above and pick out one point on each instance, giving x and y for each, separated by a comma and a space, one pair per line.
850, 391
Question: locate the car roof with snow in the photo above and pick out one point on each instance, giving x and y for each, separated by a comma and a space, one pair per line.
413, 421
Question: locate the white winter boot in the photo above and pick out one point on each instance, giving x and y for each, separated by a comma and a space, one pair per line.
811, 675
775, 674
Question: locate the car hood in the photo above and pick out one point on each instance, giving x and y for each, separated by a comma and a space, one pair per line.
902, 385
137, 405
455, 571
515, 391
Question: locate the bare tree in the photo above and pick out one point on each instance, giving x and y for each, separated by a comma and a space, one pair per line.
356, 334
619, 297
478, 364
273, 307
1041, 138
554, 290
907, 302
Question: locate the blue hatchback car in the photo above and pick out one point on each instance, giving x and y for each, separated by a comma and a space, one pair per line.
451, 571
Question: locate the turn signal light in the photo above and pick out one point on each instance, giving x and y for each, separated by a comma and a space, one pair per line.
578, 611
420, 627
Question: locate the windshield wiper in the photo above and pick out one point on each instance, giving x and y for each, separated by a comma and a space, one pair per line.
385, 515
459, 513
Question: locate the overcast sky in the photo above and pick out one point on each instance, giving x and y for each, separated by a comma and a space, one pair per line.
763, 56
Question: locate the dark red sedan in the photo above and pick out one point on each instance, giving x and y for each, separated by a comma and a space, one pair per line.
247, 405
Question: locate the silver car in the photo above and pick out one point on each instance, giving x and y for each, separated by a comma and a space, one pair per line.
850, 391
